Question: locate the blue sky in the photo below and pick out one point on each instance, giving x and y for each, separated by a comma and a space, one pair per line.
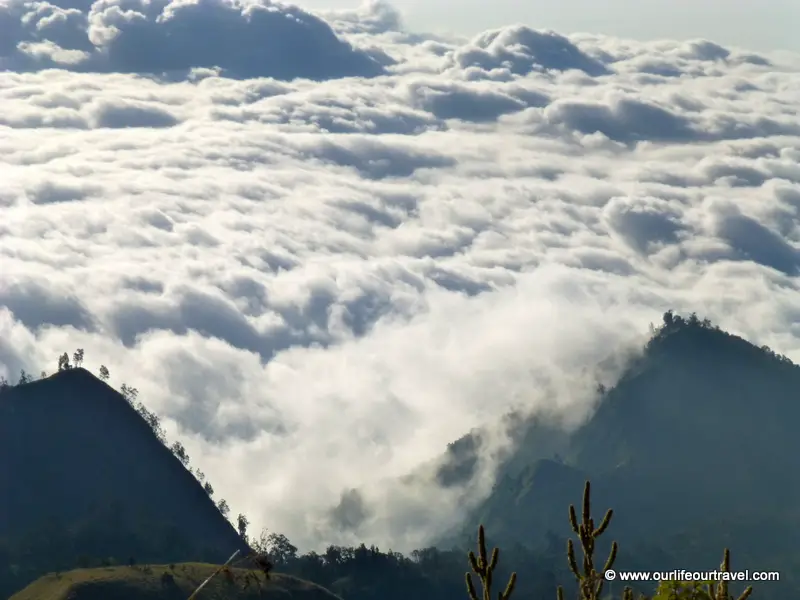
761, 26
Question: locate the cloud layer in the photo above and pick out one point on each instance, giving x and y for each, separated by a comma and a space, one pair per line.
161, 37
323, 247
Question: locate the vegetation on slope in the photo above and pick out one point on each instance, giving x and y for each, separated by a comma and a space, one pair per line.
591, 580
169, 582
177, 582
86, 482
695, 446
663, 447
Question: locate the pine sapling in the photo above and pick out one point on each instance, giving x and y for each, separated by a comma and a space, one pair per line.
484, 569
720, 591
590, 582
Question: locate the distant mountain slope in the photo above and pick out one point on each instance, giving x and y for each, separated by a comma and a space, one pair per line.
83, 476
169, 582
695, 448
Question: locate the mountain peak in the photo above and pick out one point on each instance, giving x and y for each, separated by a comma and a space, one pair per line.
72, 438
694, 335
701, 427
74, 374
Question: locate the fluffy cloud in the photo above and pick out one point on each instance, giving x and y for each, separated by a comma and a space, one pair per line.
243, 39
522, 50
323, 247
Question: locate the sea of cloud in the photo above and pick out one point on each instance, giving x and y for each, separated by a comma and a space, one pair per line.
322, 247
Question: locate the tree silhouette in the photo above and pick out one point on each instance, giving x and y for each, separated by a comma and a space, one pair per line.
590, 582
241, 525
155, 423
180, 452
129, 393
279, 549
484, 568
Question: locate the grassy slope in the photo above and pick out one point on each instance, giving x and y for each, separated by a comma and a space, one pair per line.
148, 583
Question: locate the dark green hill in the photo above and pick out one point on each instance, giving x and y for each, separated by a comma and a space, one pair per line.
86, 482
169, 582
695, 448
83, 477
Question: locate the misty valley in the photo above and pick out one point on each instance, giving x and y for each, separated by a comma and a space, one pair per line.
692, 447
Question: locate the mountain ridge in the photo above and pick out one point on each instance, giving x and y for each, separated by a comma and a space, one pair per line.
692, 448
695, 442
169, 582
90, 477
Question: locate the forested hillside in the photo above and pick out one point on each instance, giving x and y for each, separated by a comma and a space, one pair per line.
694, 448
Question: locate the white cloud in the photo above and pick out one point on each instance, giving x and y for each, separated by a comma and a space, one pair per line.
245, 39
319, 282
